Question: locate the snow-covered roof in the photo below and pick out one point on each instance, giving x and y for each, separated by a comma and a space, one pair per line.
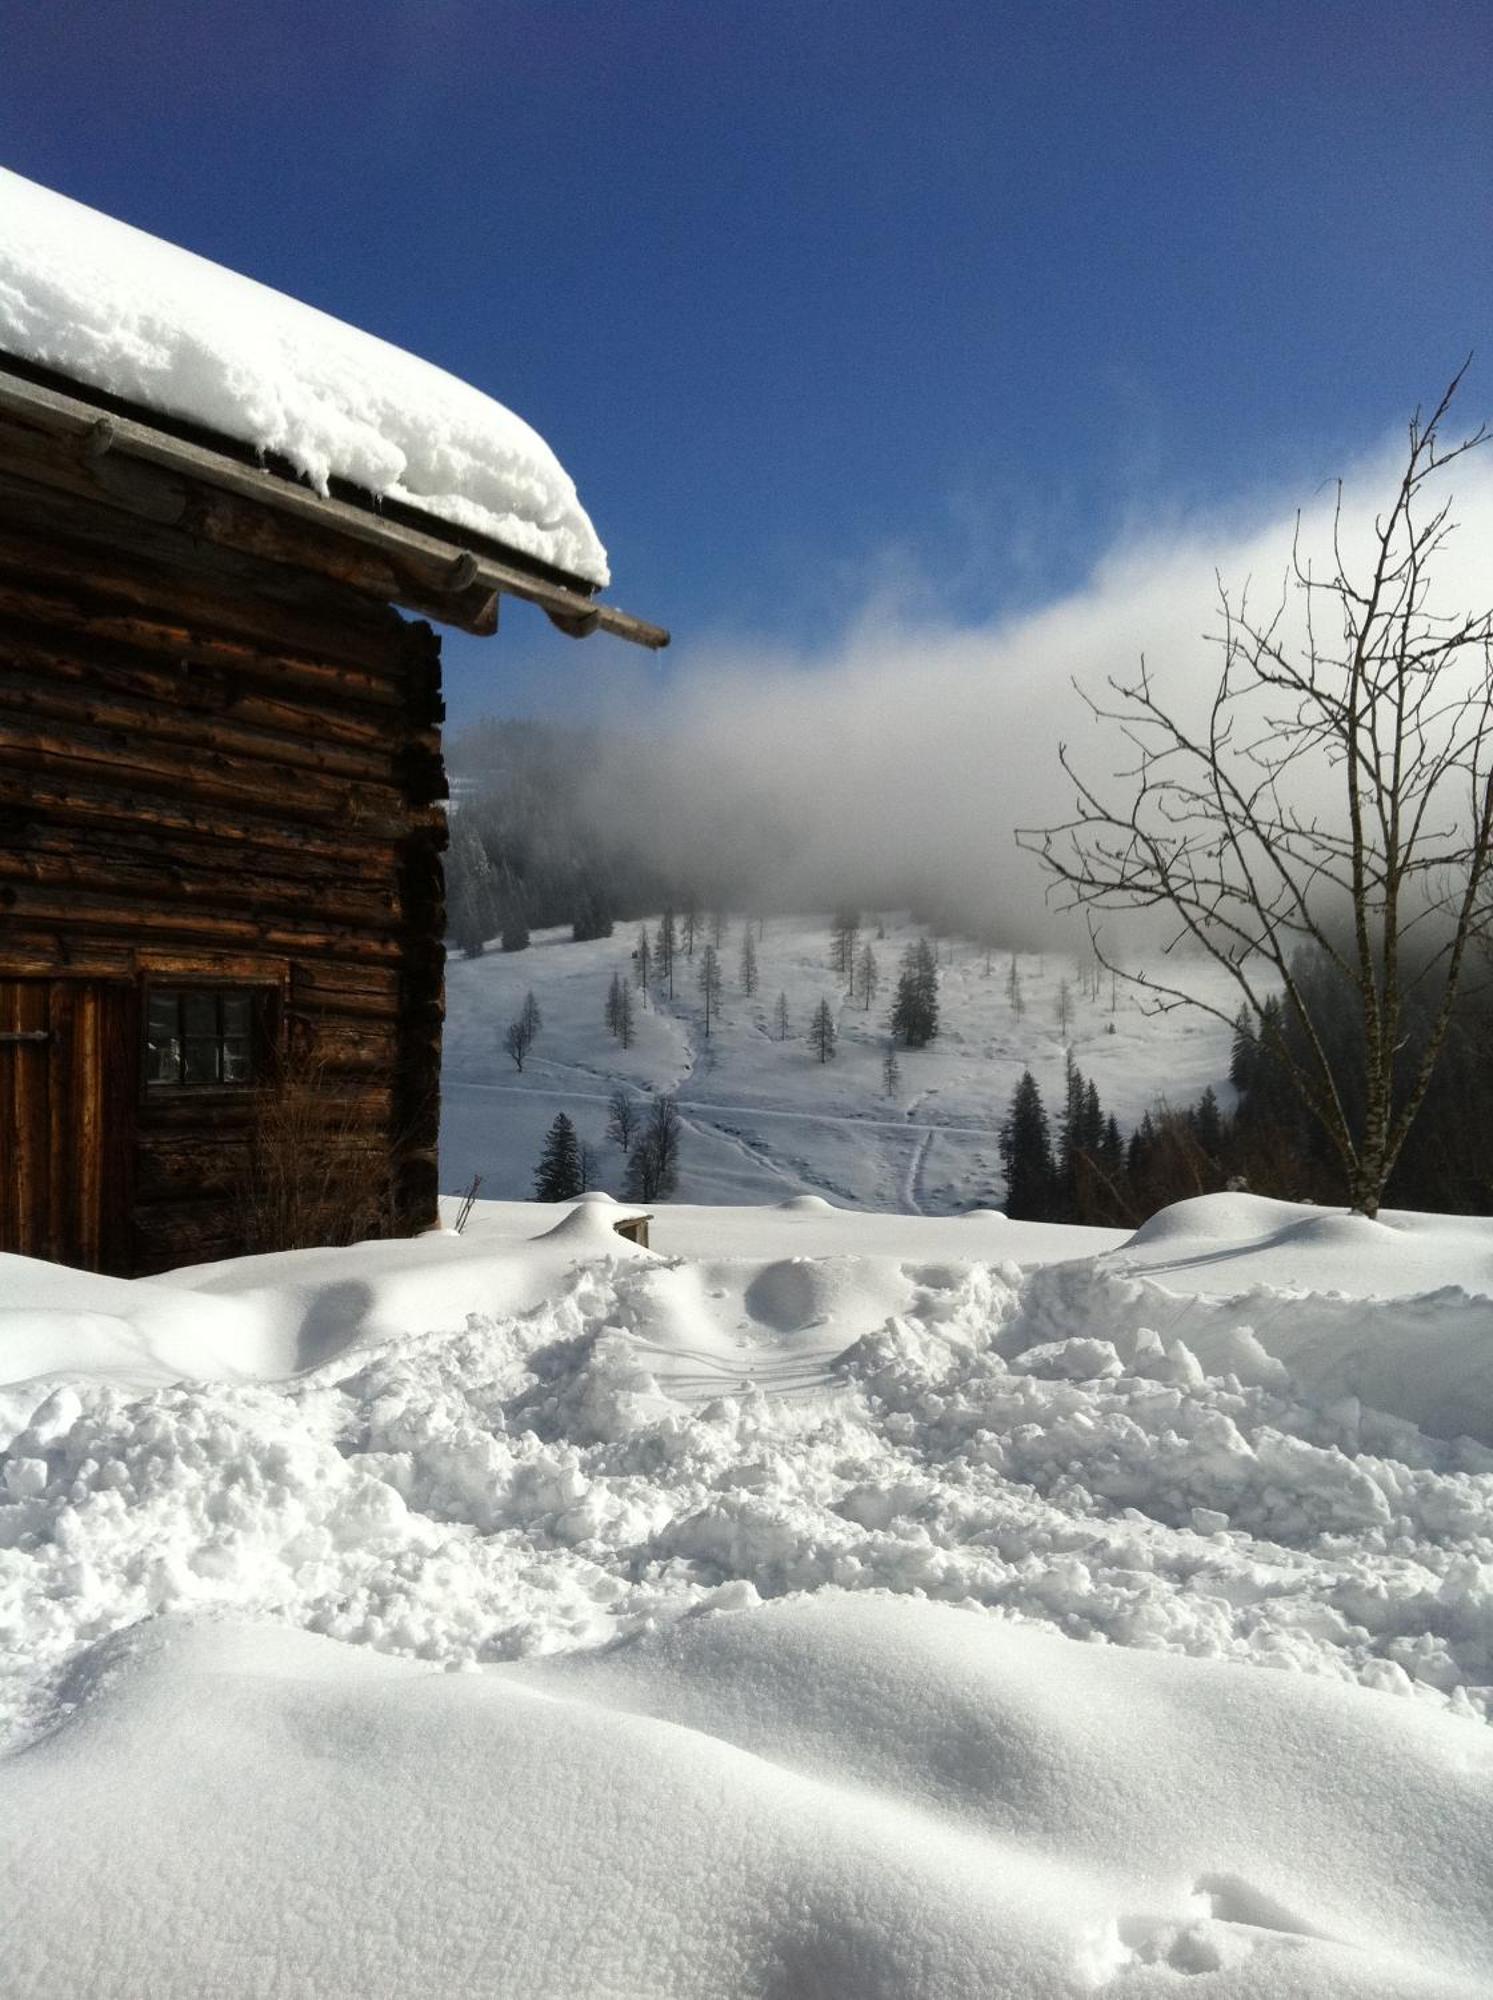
120, 311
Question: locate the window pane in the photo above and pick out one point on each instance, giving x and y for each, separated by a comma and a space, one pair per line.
201, 1011
236, 1013
201, 1059
236, 1064
162, 1041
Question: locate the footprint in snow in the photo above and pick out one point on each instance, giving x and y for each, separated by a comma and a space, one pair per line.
1230, 1922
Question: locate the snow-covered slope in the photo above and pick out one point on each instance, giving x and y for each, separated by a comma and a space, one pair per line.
849, 1799
840, 1603
764, 1119
121, 311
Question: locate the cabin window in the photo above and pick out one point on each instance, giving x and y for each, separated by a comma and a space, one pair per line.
202, 1035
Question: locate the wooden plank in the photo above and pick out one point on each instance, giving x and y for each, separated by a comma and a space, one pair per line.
421, 563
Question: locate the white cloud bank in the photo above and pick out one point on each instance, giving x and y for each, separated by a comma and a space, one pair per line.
909, 750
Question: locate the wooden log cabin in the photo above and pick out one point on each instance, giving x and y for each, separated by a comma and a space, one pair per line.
221, 827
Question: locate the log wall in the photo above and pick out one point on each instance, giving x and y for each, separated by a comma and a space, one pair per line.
216, 768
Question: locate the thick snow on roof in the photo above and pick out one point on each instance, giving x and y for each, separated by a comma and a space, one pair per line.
119, 310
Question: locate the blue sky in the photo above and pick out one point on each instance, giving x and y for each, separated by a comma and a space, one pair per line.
820, 300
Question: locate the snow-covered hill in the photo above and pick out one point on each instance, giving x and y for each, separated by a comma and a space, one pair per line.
764, 1118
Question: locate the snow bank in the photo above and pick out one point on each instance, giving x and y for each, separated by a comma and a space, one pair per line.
851, 1799
121, 311
591, 1441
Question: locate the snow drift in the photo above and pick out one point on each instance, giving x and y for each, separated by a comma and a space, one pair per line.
526, 1612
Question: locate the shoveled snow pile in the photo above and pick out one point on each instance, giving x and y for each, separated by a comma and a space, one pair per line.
764, 1564
119, 310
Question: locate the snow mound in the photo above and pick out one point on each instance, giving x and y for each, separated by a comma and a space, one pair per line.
806, 1204
121, 311
854, 1799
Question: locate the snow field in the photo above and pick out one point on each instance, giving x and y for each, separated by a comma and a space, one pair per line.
822, 1603
765, 1119
856, 1798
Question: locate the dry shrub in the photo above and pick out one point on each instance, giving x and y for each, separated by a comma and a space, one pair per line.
317, 1170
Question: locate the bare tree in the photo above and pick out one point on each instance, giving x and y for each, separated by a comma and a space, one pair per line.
622, 1118
517, 1037
1214, 824
1062, 1011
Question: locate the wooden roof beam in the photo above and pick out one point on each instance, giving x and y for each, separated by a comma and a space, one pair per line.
417, 569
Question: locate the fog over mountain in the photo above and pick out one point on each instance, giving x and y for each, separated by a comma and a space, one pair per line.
893, 765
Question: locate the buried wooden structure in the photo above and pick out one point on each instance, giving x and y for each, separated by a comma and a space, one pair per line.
221, 827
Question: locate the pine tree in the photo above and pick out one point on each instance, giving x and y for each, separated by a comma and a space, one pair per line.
710, 984
748, 962
720, 923
915, 1008
558, 1176
843, 943
644, 960
1026, 1154
514, 935
614, 1004
780, 1017
822, 1032
666, 944
689, 918
891, 1071
867, 975
472, 909
622, 1118
530, 1015
624, 1013
1013, 988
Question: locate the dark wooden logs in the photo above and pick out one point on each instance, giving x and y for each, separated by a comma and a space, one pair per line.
216, 769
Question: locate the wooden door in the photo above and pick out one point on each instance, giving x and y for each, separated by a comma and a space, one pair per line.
68, 1067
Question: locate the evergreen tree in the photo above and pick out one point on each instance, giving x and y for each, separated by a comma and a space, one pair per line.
822, 1032
624, 1013
1013, 988
593, 918
780, 1017
748, 962
643, 957
1026, 1154
844, 940
1207, 1123
867, 976
720, 923
915, 1008
622, 1118
710, 984
472, 906
614, 1004
530, 1015
891, 1071
666, 944
558, 1176
689, 919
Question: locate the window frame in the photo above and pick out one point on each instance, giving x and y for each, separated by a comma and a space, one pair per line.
256, 1035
